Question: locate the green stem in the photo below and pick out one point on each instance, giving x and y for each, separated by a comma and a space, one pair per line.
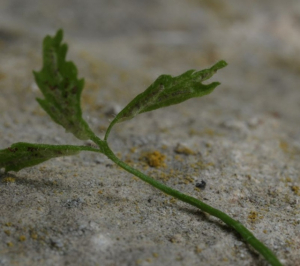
242, 230
109, 128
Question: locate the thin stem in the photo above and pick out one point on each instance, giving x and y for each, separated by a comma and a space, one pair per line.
242, 230
101, 143
109, 128
85, 148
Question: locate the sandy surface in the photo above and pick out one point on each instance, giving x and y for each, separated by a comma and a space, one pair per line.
245, 137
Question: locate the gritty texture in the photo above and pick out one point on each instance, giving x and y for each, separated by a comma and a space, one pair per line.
243, 140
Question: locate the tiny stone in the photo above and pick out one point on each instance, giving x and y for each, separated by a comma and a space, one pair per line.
201, 185
112, 110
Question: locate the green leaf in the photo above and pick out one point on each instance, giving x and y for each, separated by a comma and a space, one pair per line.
61, 88
21, 154
167, 90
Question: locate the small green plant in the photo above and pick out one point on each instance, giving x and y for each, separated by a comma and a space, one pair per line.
62, 89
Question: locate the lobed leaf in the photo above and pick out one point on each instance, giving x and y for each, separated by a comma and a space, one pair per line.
167, 90
21, 155
61, 88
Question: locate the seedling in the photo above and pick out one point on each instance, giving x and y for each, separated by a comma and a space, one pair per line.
62, 89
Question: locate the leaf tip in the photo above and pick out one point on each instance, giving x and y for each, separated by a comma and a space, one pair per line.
219, 65
59, 35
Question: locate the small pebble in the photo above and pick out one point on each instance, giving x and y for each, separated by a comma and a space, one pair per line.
201, 185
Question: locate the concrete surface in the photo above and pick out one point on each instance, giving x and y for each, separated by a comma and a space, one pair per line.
245, 137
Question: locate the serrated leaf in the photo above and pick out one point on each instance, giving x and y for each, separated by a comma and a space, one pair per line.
61, 88
21, 155
167, 90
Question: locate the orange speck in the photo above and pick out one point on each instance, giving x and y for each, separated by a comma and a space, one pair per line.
22, 238
155, 159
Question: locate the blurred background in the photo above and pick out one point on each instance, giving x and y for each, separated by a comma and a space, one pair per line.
259, 39
249, 128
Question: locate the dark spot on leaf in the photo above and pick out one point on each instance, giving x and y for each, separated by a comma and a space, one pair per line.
12, 149
32, 149
53, 88
74, 90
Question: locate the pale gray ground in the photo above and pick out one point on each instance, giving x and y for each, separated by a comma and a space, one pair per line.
83, 210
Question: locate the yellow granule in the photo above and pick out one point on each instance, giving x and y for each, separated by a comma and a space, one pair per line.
155, 159
34, 236
253, 215
296, 190
22, 238
9, 179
